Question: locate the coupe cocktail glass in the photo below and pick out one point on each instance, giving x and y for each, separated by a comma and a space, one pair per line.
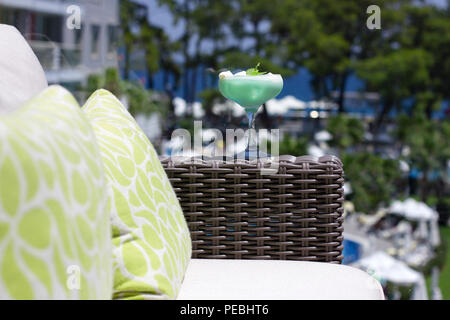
250, 92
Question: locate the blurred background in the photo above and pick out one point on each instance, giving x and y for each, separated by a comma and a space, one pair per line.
371, 87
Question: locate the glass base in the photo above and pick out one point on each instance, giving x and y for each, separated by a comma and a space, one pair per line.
252, 154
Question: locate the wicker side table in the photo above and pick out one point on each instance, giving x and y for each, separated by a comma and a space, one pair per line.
235, 212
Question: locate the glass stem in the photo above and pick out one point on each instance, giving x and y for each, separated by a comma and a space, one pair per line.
251, 128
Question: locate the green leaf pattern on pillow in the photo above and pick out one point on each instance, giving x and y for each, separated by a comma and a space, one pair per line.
54, 222
152, 245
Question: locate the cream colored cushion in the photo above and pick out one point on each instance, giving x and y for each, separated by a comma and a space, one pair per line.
21, 74
276, 280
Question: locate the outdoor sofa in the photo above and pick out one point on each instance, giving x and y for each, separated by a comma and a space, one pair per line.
68, 186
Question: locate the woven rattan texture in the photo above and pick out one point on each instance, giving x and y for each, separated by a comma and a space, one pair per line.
236, 212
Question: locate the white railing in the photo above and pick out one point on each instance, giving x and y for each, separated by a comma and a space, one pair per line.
48, 6
56, 56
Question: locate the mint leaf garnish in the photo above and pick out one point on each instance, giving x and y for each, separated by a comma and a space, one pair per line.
255, 71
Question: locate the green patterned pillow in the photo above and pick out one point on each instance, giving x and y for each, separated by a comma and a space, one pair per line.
54, 221
152, 245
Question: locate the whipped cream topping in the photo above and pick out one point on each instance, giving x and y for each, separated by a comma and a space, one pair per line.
226, 74
229, 74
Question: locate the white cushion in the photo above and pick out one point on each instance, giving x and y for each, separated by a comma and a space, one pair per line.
21, 74
276, 280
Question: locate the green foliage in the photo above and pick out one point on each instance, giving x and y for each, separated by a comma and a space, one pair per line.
94, 82
127, 17
141, 100
427, 140
188, 124
372, 179
209, 98
291, 146
296, 147
326, 36
409, 57
346, 131
148, 37
396, 75
428, 145
428, 28
112, 81
255, 71
444, 281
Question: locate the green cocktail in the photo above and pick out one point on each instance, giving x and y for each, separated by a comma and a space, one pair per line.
250, 92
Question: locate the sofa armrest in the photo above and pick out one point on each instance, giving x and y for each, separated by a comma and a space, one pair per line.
234, 211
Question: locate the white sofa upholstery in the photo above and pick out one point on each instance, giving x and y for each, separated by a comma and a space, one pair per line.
276, 280
21, 74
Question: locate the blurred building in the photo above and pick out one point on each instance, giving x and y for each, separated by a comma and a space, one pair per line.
67, 55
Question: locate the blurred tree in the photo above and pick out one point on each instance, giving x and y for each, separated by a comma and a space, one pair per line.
158, 49
169, 67
198, 18
209, 18
182, 13
94, 82
149, 41
396, 76
253, 21
140, 33
142, 101
327, 36
208, 43
416, 64
428, 28
129, 16
112, 81
407, 58
167, 49
159, 55
427, 141
139, 99
372, 179
346, 132
210, 97
291, 146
